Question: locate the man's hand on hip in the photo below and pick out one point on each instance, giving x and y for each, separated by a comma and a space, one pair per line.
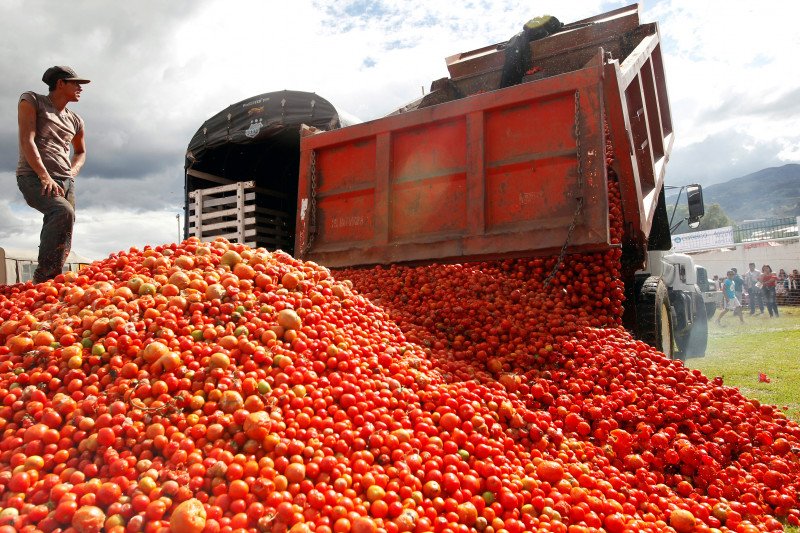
51, 188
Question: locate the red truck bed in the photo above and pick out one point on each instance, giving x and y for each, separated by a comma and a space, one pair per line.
498, 173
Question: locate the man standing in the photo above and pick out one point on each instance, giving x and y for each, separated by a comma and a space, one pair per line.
751, 283
46, 171
731, 303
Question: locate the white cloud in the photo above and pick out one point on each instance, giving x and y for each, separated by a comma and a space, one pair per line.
731, 73
15, 224
111, 215
99, 232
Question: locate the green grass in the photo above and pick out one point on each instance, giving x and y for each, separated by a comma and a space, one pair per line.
739, 352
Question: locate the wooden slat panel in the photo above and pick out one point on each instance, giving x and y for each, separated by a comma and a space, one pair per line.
232, 187
587, 33
590, 36
224, 201
231, 212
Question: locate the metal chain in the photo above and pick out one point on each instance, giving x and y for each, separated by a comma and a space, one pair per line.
312, 222
563, 251
578, 139
579, 199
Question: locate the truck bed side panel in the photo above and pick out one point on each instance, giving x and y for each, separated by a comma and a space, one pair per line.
640, 125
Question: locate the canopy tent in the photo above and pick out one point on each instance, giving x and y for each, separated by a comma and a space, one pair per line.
258, 140
18, 266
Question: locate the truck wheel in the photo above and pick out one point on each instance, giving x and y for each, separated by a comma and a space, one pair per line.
654, 316
694, 343
711, 308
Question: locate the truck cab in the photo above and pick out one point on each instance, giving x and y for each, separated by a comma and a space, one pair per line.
712, 296
670, 306
670, 290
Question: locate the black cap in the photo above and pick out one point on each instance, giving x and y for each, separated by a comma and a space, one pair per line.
53, 74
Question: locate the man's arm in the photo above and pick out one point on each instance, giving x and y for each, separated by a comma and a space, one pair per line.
78, 153
27, 135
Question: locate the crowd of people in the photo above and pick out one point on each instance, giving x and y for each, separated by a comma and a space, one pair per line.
757, 290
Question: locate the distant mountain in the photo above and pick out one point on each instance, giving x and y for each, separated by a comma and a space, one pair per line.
768, 193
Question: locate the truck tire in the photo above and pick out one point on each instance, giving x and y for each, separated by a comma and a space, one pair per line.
711, 308
654, 316
695, 342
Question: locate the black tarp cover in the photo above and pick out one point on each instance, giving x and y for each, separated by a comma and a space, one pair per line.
258, 118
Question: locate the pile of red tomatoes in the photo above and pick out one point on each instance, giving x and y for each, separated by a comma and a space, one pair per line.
649, 444
213, 387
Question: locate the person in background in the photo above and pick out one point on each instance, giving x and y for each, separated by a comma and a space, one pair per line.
46, 170
768, 283
730, 302
794, 287
738, 284
751, 284
782, 287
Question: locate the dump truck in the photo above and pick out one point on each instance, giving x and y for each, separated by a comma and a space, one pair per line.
507, 158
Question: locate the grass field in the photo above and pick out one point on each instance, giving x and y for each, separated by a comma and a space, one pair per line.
739, 352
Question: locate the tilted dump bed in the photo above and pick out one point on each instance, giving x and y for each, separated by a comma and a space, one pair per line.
501, 172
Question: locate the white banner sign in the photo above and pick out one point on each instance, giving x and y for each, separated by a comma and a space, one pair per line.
701, 240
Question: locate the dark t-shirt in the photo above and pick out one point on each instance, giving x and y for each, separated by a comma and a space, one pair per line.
54, 134
738, 283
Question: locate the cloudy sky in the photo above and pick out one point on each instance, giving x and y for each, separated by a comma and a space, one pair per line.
159, 69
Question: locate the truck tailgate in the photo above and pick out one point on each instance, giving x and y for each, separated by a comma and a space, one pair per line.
496, 174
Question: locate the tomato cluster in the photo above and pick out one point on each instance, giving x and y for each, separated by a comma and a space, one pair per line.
649, 433
669, 445
214, 387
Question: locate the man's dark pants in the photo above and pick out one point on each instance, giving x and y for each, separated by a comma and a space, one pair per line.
59, 219
755, 295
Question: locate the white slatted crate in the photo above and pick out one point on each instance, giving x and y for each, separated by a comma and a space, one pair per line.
235, 213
